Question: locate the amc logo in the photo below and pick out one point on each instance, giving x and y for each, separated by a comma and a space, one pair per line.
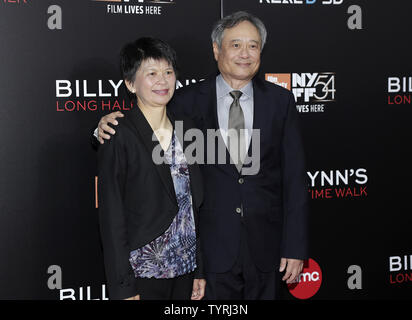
308, 282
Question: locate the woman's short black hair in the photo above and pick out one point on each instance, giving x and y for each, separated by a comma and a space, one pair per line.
134, 53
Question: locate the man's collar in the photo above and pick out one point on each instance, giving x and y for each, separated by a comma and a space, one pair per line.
223, 88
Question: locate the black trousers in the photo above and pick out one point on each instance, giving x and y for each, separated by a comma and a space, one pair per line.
243, 281
179, 288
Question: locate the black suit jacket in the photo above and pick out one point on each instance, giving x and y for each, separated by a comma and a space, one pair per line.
274, 201
137, 201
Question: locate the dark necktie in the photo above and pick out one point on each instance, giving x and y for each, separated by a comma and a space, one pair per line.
236, 134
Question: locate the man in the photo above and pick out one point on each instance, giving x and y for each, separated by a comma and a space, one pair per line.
252, 226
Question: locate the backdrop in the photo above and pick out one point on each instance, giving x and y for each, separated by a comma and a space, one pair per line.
347, 63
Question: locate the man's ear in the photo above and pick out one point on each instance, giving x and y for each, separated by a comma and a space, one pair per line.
216, 50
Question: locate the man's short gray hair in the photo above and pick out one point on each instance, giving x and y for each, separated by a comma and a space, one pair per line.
233, 20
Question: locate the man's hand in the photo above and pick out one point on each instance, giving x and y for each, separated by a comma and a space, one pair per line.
136, 297
198, 289
293, 269
104, 130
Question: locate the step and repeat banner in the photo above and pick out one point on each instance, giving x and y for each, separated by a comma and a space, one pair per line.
347, 63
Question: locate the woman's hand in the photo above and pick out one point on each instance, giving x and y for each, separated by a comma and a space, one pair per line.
136, 297
198, 289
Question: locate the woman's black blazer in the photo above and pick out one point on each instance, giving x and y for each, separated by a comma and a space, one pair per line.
137, 201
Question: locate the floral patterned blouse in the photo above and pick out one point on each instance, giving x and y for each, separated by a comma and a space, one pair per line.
173, 253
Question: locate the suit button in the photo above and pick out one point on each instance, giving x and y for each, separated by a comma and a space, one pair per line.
241, 180
238, 210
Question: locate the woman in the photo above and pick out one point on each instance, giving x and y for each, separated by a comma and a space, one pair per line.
148, 212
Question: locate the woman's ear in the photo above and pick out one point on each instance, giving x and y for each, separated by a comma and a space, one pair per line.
129, 86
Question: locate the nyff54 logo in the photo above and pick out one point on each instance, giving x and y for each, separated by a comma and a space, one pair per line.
311, 90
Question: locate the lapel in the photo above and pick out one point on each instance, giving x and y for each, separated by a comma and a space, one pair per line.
258, 107
145, 132
208, 95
